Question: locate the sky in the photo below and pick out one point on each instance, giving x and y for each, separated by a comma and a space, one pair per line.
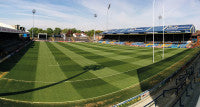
79, 14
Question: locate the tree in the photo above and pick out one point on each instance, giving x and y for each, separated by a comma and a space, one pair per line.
98, 32
44, 31
90, 33
69, 33
35, 31
78, 31
73, 30
57, 31
64, 31
39, 30
49, 31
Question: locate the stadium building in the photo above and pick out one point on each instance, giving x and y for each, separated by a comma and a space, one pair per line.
175, 36
11, 38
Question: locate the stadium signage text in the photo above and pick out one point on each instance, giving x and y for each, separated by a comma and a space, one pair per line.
134, 99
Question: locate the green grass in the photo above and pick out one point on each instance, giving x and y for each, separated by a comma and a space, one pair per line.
54, 72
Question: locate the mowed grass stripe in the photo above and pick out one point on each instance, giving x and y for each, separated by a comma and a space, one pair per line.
26, 67
48, 70
109, 49
124, 48
135, 52
113, 80
104, 52
115, 58
82, 89
130, 51
138, 56
117, 46
129, 78
23, 70
151, 69
116, 65
82, 61
144, 53
146, 60
67, 65
64, 61
148, 71
47, 66
87, 89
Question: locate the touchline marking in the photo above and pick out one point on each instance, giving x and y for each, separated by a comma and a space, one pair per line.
132, 86
2, 98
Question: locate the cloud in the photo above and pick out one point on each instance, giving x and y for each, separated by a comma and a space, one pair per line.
47, 13
79, 13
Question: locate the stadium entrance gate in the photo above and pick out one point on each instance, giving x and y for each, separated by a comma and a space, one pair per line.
42, 35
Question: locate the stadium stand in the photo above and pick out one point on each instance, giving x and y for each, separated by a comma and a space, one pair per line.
11, 39
176, 36
10, 43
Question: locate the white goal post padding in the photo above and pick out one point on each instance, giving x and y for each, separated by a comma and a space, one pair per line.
42, 34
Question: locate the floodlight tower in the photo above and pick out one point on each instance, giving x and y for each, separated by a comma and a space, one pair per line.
163, 18
107, 15
160, 17
154, 1
33, 11
95, 16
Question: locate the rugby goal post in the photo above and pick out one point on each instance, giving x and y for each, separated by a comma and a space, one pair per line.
42, 34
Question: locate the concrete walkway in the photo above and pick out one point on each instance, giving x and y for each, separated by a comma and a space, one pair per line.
198, 103
194, 99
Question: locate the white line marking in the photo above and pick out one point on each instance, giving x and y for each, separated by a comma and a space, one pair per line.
65, 81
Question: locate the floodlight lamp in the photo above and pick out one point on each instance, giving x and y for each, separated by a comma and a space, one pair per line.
33, 11
95, 15
160, 17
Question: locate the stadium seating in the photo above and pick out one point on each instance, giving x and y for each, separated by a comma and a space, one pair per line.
176, 36
10, 43
157, 44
